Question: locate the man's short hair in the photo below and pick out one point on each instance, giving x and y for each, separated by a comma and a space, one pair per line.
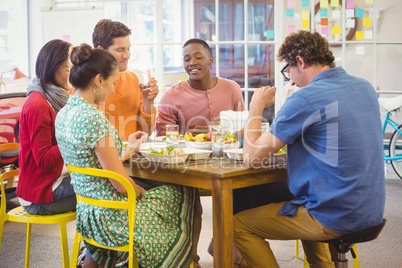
312, 47
106, 30
198, 41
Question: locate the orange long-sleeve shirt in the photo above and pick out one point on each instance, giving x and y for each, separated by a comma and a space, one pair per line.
124, 108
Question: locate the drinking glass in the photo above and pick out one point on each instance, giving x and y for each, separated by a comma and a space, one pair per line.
218, 134
172, 135
264, 127
144, 76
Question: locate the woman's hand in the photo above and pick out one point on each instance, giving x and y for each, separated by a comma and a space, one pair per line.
135, 140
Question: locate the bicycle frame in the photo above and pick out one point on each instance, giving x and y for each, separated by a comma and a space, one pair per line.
394, 125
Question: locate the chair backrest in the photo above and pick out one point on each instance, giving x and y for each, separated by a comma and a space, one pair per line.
8, 175
9, 155
10, 109
131, 196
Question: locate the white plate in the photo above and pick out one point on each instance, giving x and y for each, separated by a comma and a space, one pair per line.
235, 154
205, 145
197, 154
167, 159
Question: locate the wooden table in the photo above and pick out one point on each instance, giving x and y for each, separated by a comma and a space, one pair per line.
221, 177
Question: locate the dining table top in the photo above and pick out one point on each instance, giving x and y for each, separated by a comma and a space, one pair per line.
220, 176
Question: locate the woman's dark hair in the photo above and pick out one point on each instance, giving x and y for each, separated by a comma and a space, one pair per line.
106, 30
312, 47
198, 41
49, 59
89, 62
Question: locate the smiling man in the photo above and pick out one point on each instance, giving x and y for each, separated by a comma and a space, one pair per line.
201, 98
129, 108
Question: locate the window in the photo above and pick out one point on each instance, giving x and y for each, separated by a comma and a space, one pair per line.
13, 36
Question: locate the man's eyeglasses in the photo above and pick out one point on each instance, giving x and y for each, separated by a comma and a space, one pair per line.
285, 73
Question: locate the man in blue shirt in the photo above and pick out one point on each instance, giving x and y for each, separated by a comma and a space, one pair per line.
332, 129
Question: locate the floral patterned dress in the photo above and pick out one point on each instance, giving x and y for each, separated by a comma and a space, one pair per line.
164, 216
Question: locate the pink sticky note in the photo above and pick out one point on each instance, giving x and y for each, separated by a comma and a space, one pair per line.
350, 4
291, 3
291, 28
324, 30
67, 37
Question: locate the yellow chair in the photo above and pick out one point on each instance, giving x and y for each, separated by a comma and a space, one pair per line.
19, 215
306, 265
129, 205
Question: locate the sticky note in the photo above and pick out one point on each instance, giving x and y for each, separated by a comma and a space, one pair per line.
350, 13
359, 50
323, 13
305, 23
324, 21
305, 15
289, 12
324, 30
350, 23
368, 34
367, 22
336, 30
359, 35
335, 3
350, 4
291, 28
67, 37
369, 2
323, 3
336, 14
305, 3
270, 34
358, 13
291, 3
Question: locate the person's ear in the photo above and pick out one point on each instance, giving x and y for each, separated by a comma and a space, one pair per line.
300, 62
99, 46
211, 60
98, 80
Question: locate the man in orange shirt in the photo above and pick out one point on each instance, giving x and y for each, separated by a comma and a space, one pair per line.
130, 107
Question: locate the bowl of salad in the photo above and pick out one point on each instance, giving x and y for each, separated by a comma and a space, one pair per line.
167, 155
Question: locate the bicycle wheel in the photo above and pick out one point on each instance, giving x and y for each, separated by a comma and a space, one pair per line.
395, 150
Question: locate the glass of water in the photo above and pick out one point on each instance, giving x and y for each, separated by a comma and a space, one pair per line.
218, 134
172, 135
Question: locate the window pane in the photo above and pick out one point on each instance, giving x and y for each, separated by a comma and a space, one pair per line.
260, 20
172, 58
173, 26
359, 61
388, 17
261, 62
13, 36
116, 11
389, 62
231, 63
142, 21
142, 57
204, 20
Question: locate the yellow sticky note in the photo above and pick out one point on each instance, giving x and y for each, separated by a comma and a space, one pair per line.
305, 15
335, 3
323, 3
369, 1
359, 35
305, 23
367, 22
336, 30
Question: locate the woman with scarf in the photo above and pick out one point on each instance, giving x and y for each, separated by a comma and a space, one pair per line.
44, 184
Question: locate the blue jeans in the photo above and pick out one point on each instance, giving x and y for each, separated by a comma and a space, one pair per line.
64, 200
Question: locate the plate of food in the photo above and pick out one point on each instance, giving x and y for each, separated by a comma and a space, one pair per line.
237, 154
197, 154
234, 153
167, 155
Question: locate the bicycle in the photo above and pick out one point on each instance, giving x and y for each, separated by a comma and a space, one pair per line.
392, 105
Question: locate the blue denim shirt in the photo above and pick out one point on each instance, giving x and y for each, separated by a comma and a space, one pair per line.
335, 151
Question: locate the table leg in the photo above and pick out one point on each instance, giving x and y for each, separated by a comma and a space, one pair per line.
222, 216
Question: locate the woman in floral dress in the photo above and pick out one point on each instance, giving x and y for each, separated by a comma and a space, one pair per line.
164, 214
